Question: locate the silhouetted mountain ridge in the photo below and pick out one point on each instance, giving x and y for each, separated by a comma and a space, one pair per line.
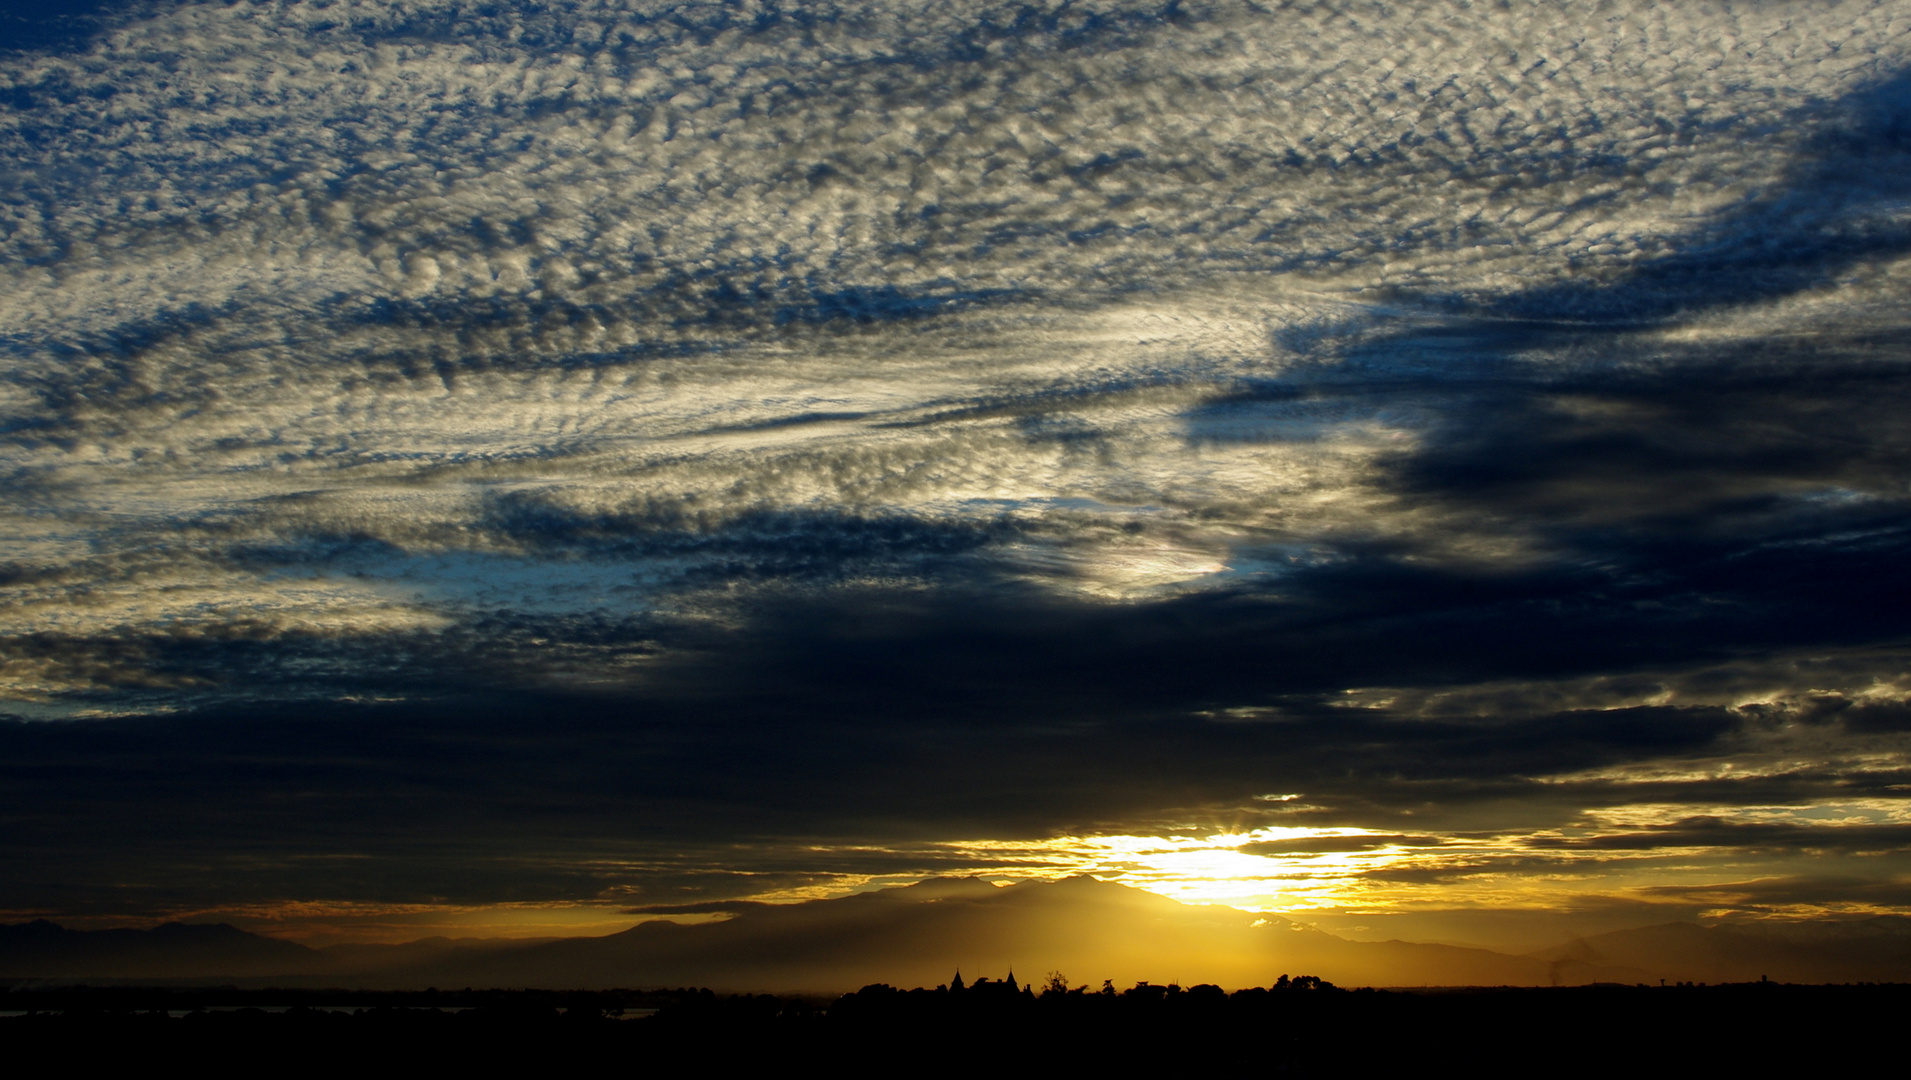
170, 950
1818, 952
921, 934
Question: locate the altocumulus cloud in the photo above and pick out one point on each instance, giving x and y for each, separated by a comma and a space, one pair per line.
592, 450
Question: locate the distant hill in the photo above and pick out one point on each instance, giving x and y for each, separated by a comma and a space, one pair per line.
1868, 950
203, 951
920, 935
42, 949
424, 952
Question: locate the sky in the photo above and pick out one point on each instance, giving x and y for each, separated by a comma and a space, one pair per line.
1434, 470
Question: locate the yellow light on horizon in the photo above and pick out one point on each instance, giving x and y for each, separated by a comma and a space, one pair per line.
1206, 869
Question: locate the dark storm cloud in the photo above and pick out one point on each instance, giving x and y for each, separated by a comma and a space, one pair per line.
1707, 832
1834, 207
872, 733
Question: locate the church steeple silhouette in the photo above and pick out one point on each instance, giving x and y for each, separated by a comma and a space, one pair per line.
956, 983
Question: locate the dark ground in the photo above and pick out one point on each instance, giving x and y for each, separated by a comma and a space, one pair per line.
1293, 1030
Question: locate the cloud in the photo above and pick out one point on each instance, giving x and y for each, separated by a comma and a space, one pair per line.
436, 438
1792, 895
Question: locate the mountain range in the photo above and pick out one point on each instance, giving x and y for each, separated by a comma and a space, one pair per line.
923, 934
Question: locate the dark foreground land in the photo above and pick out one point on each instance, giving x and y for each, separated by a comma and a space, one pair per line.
1298, 1028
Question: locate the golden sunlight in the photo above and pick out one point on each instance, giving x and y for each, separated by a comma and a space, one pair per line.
1276, 868
321, 924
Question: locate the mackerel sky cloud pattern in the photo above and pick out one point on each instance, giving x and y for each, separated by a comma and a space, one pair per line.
642, 452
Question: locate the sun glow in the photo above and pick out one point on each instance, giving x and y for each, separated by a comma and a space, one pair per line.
1277, 868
